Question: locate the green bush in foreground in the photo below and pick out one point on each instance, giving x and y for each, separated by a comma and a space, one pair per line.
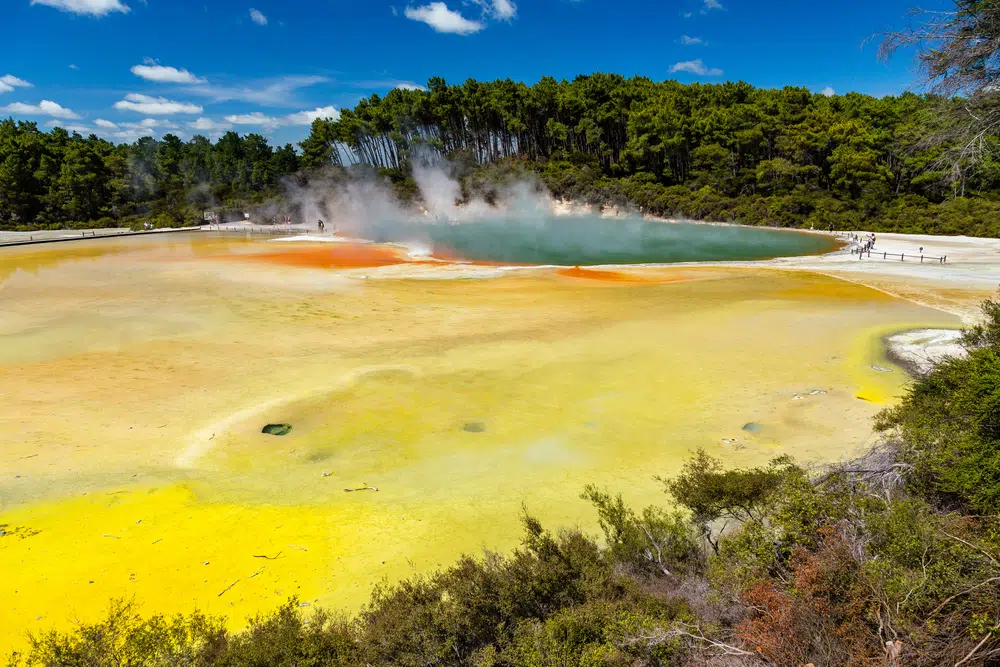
948, 425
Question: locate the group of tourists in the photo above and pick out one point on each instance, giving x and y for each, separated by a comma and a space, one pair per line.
865, 243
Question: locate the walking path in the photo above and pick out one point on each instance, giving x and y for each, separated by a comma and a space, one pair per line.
973, 263
971, 274
63, 235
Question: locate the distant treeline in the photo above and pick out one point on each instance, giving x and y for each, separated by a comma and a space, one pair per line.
727, 152
55, 179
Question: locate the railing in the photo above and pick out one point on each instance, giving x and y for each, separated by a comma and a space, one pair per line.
862, 254
278, 230
93, 234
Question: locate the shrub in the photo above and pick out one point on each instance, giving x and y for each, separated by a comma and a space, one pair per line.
657, 542
948, 424
125, 639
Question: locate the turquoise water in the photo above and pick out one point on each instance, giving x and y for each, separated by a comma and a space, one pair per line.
592, 240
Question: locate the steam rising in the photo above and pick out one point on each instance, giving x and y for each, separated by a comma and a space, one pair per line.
518, 225
365, 206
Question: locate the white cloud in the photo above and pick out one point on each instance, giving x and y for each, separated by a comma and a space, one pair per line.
154, 127
695, 67
106, 124
276, 92
713, 4
440, 18
828, 91
257, 17
155, 106
689, 41
73, 67
504, 10
82, 129
271, 122
164, 74
87, 7
384, 84
43, 108
8, 82
255, 118
208, 125
14, 82
500, 10
307, 117
150, 123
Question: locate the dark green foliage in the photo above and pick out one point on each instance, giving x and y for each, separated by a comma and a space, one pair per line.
286, 638
594, 634
713, 494
948, 424
56, 179
657, 542
125, 639
477, 603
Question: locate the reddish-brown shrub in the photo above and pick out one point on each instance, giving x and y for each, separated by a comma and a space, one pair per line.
818, 614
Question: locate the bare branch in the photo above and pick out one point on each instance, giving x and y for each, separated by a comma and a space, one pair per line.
957, 595
659, 552
958, 57
973, 651
693, 633
972, 546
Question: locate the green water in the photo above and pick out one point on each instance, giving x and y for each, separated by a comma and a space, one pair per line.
592, 240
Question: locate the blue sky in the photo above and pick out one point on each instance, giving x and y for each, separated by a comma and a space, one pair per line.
128, 68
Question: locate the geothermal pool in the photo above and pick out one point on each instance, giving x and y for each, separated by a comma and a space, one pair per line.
593, 240
136, 375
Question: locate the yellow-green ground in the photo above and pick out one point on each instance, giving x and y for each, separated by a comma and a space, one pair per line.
136, 374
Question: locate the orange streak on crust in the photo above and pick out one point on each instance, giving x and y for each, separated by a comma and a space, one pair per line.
615, 276
329, 256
